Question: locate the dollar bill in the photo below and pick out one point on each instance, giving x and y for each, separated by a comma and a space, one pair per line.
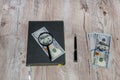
55, 49
99, 48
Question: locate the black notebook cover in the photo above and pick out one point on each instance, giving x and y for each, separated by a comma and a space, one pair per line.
35, 55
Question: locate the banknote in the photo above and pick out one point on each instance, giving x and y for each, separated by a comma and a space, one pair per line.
99, 48
55, 49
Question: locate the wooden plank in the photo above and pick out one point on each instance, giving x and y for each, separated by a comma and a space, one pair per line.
80, 16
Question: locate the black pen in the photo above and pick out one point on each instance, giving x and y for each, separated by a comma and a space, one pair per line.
75, 48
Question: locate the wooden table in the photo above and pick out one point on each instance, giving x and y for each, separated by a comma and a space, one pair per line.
79, 16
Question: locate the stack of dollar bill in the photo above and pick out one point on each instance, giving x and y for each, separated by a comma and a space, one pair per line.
99, 44
55, 49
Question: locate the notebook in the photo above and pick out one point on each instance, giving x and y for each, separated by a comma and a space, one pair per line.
37, 54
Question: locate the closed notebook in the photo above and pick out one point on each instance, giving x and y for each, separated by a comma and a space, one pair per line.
37, 54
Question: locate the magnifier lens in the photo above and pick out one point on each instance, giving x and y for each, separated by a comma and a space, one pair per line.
45, 39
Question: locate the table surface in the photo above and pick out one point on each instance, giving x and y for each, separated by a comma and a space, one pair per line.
79, 16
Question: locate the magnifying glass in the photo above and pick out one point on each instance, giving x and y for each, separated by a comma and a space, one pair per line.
46, 39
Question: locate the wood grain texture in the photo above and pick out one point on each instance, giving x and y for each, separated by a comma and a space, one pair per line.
80, 16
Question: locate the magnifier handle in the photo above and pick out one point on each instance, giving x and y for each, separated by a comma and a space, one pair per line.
50, 57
